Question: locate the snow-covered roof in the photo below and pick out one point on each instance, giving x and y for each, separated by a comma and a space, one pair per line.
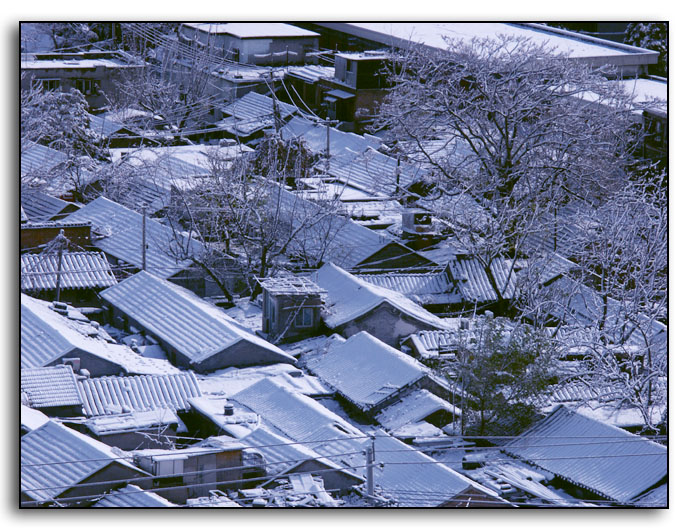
122, 231
373, 172
290, 285
612, 462
231, 381
411, 284
328, 236
39, 158
132, 421
252, 30
105, 126
315, 136
304, 420
349, 297
55, 458
311, 73
114, 394
193, 327
50, 386
413, 407
47, 336
78, 270
253, 112
32, 418
433, 34
473, 283
39, 206
132, 496
365, 370
413, 479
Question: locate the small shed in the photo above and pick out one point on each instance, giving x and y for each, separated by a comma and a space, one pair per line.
292, 307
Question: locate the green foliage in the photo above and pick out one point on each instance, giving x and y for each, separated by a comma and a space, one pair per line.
501, 369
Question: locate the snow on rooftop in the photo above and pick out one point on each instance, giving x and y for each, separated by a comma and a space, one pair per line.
194, 327
433, 34
253, 30
349, 297
47, 335
365, 370
413, 408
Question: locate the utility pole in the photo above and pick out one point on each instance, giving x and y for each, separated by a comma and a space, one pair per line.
143, 238
370, 466
60, 240
327, 150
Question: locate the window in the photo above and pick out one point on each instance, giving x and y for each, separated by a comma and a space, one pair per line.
48, 84
304, 318
86, 86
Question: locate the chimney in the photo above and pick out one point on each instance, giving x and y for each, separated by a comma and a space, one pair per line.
229, 408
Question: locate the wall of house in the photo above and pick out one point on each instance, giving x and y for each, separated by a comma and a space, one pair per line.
241, 354
134, 440
333, 480
95, 365
385, 323
285, 307
32, 237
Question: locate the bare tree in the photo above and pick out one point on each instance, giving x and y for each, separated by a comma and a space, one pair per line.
523, 132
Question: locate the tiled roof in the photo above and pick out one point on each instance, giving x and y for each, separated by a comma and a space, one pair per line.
136, 420
311, 73
55, 458
195, 328
43, 207
132, 496
111, 394
607, 460
365, 370
122, 230
349, 297
78, 270
50, 386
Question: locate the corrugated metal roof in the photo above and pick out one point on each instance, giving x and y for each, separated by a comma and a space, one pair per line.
50, 386
311, 73
122, 230
373, 172
253, 112
55, 458
38, 158
349, 297
607, 460
192, 326
365, 370
109, 394
132, 496
658, 497
105, 126
411, 283
43, 207
323, 234
79, 270
413, 407
473, 283
315, 137
303, 419
47, 336
127, 422
413, 479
